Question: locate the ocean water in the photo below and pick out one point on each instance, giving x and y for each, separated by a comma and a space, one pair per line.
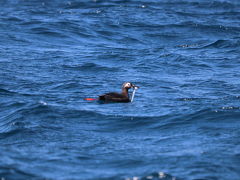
184, 122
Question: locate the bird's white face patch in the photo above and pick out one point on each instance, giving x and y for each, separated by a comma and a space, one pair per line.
127, 85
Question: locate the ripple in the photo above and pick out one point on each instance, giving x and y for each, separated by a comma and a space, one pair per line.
91, 67
48, 32
6, 92
11, 172
154, 176
223, 44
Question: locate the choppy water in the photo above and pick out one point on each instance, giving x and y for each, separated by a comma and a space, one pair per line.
184, 121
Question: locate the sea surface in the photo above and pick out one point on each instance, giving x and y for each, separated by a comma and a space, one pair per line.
184, 122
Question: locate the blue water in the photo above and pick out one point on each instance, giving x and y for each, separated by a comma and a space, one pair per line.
184, 122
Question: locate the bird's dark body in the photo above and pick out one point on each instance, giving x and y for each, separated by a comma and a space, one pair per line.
114, 97
122, 97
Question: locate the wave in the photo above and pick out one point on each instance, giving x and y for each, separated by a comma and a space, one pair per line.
90, 67
48, 32
223, 44
155, 176
223, 115
6, 92
23, 114
12, 172
18, 120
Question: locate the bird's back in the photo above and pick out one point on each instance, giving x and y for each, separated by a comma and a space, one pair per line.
114, 97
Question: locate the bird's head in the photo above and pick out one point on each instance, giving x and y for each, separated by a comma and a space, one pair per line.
128, 85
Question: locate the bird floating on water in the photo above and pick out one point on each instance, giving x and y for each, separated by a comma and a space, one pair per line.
122, 97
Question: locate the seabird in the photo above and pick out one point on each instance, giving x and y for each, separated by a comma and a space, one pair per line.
119, 97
